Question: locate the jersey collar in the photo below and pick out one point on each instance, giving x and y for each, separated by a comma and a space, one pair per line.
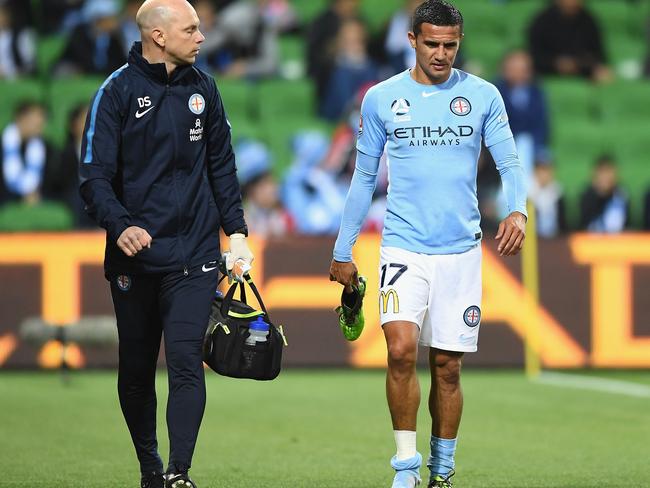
156, 71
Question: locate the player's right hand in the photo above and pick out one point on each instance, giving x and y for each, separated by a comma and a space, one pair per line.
345, 273
133, 240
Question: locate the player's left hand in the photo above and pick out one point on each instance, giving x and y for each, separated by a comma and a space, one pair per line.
511, 233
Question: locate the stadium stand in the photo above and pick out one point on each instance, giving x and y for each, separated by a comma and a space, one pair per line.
586, 119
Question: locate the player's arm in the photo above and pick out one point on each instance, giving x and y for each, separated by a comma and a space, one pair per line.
99, 156
370, 147
512, 229
357, 204
501, 144
222, 175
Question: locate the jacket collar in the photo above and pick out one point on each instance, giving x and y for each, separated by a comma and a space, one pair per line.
156, 71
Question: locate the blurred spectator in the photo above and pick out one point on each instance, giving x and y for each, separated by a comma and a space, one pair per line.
280, 15
565, 39
604, 207
94, 46
17, 46
341, 159
352, 68
547, 196
311, 193
525, 102
61, 182
239, 42
398, 48
21, 13
56, 15
321, 40
128, 26
24, 155
262, 207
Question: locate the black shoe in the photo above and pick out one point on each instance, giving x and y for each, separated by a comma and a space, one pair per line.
180, 480
442, 481
152, 480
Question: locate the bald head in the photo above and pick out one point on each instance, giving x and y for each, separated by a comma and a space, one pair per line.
170, 32
158, 14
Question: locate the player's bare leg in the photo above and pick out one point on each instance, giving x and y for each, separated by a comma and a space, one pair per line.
403, 394
446, 408
402, 387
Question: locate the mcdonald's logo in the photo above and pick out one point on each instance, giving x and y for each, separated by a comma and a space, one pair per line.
384, 296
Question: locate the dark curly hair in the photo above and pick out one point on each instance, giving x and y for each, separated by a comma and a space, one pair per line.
436, 12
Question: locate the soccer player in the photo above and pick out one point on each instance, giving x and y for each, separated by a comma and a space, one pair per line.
158, 173
432, 119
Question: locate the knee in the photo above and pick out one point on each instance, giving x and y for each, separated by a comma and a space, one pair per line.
448, 369
402, 356
184, 360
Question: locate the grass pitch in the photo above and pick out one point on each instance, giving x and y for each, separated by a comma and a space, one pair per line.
327, 428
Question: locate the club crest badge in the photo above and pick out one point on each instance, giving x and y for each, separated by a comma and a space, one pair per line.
472, 316
196, 104
460, 106
123, 282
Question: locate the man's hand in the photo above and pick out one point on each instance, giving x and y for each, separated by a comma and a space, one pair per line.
512, 232
238, 250
345, 273
133, 240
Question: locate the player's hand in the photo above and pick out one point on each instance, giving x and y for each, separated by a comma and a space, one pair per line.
511, 233
238, 250
345, 273
133, 240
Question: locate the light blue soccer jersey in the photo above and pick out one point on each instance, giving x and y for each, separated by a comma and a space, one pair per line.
432, 135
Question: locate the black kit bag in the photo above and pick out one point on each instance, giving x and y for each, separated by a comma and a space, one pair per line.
225, 349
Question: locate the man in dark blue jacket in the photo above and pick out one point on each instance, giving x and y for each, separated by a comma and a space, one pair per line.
158, 173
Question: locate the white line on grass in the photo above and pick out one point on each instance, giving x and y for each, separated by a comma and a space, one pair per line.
606, 385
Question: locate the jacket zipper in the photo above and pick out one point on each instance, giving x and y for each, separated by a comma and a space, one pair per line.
176, 194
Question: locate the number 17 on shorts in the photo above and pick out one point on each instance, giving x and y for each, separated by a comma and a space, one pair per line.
440, 293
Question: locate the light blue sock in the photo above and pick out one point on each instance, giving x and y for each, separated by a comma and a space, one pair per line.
441, 461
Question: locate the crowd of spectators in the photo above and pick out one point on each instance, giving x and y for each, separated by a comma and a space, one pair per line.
343, 58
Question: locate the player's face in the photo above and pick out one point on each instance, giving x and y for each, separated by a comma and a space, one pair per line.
183, 40
435, 50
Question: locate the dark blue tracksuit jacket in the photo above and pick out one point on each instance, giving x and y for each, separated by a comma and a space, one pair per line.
157, 154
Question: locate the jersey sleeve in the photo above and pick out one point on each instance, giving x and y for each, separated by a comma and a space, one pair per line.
495, 126
372, 132
99, 164
222, 171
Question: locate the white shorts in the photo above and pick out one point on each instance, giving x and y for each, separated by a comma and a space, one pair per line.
440, 293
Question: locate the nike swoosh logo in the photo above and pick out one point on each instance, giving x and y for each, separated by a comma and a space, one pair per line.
205, 269
139, 114
429, 94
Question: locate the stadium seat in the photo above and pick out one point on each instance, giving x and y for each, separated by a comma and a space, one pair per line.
64, 95
308, 9
48, 51
278, 136
282, 99
572, 99
625, 100
240, 98
46, 216
12, 92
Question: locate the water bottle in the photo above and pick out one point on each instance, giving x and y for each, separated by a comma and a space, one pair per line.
259, 331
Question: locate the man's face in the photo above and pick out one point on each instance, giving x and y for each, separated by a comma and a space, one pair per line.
435, 50
569, 7
518, 68
605, 179
32, 122
182, 36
